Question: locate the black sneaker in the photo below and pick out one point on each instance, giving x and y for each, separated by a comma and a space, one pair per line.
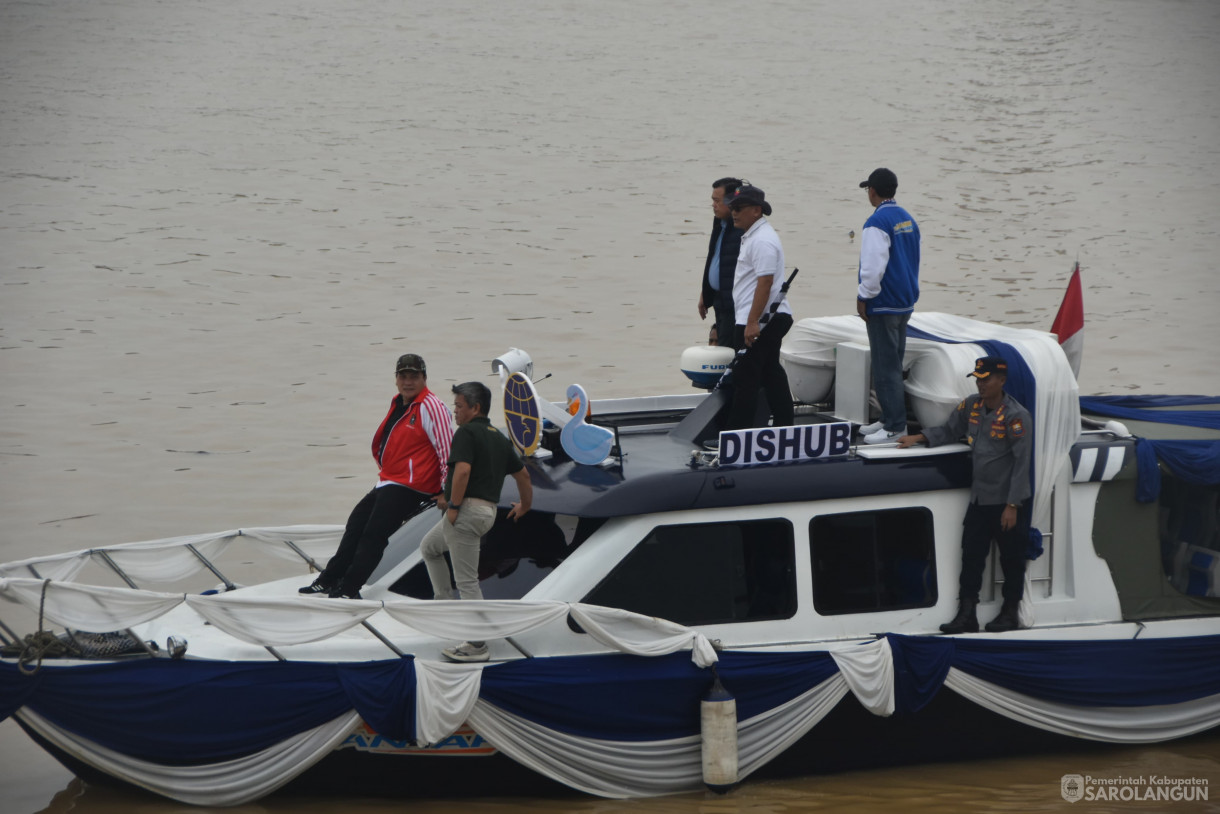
339, 593
316, 587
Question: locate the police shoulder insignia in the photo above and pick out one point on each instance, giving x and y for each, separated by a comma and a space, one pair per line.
962, 405
1016, 427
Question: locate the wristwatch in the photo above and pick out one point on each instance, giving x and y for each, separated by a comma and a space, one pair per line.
455, 505
1014, 505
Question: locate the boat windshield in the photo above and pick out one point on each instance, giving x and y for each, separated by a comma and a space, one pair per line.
514, 557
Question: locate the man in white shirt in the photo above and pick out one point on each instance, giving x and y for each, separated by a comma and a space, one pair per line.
756, 284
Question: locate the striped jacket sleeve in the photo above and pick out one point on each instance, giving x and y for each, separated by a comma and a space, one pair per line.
438, 424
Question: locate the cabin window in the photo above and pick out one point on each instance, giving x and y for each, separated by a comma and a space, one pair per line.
706, 574
865, 562
1189, 523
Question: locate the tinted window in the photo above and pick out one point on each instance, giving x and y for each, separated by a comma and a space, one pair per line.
513, 556
873, 561
707, 573
1189, 523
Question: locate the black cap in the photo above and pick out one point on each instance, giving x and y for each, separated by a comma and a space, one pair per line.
883, 181
412, 362
749, 195
984, 366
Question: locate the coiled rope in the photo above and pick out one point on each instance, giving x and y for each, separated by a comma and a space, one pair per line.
35, 646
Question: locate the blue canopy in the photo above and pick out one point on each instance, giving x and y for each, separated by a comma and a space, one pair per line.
1194, 461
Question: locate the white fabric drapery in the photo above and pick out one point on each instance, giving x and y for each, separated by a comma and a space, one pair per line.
475, 619
287, 620
642, 635
164, 560
444, 695
169, 559
868, 669
318, 541
228, 783
59, 567
1150, 724
1056, 412
498, 619
624, 769
448, 695
280, 621
89, 607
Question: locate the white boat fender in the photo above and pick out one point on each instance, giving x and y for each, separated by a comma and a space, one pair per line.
718, 719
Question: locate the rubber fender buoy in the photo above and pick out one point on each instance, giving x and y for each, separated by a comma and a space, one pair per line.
718, 724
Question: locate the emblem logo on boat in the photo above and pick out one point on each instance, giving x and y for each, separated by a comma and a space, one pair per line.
465, 742
522, 413
1072, 787
771, 445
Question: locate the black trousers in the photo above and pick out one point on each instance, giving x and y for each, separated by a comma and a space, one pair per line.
377, 516
726, 324
759, 369
979, 528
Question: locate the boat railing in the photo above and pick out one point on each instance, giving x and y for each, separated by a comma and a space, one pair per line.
45, 586
156, 560
174, 558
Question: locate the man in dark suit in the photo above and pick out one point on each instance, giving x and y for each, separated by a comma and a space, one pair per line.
717, 290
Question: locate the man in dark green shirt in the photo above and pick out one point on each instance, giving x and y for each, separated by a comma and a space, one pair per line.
480, 457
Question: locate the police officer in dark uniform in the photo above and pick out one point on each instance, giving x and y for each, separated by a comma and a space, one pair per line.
1000, 433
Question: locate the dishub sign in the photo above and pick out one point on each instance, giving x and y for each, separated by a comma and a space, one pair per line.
771, 445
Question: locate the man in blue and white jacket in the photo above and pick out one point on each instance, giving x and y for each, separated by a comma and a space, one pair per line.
888, 290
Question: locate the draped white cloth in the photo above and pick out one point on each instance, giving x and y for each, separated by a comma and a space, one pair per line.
229, 783
475, 619
283, 620
169, 559
90, 607
623, 769
164, 560
497, 619
448, 695
1056, 412
59, 567
444, 695
868, 670
642, 635
1150, 724
296, 620
617, 769
318, 541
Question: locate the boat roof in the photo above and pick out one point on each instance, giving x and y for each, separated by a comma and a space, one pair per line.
656, 469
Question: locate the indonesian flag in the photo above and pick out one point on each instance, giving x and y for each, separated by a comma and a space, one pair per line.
1069, 322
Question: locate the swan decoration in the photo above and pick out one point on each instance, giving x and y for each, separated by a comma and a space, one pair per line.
524, 412
585, 443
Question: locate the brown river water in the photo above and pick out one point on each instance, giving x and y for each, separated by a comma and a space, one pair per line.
221, 222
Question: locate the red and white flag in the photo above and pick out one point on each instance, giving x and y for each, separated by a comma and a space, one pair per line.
1069, 322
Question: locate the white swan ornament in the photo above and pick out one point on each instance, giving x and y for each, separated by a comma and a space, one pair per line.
584, 443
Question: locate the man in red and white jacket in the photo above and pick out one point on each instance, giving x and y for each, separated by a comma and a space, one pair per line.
412, 448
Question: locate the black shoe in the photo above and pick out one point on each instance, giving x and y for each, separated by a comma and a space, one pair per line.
339, 593
965, 621
1009, 619
316, 587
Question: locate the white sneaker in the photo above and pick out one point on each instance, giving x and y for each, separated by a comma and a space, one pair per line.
882, 437
466, 652
869, 429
